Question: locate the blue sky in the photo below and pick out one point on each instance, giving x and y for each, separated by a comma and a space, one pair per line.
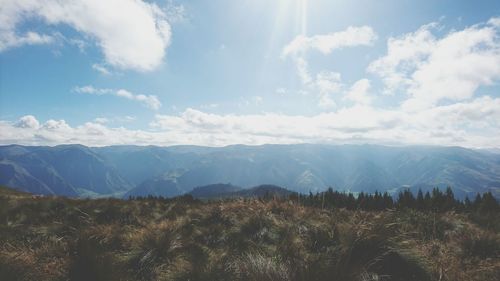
250, 71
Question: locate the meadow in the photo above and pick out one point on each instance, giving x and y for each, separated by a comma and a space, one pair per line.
57, 238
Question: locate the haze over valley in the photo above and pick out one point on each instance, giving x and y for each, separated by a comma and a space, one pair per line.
122, 171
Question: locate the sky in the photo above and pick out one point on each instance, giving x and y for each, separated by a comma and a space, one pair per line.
221, 72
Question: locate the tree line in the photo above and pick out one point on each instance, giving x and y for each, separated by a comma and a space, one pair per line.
436, 201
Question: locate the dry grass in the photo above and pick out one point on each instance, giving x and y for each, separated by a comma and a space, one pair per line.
181, 239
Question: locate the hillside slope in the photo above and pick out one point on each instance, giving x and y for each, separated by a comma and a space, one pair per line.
63, 170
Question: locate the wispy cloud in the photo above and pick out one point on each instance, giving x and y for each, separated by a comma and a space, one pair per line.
150, 101
325, 83
351, 37
101, 69
10, 39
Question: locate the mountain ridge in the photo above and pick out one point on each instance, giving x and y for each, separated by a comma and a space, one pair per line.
77, 170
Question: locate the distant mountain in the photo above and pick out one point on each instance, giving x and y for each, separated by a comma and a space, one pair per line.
214, 191
68, 170
76, 170
157, 187
263, 191
217, 191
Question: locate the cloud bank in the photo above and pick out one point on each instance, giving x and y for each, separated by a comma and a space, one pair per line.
471, 124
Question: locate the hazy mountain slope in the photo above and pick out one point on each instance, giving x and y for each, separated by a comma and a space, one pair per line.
263, 191
18, 177
307, 168
214, 191
302, 168
164, 187
62, 170
220, 190
140, 163
84, 168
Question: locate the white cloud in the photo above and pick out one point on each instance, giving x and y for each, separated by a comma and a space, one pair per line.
303, 70
101, 120
101, 69
91, 90
472, 124
28, 121
55, 125
352, 36
494, 21
11, 40
328, 82
80, 44
359, 92
133, 38
150, 101
326, 101
432, 69
403, 55
209, 106
175, 12
113, 120
325, 83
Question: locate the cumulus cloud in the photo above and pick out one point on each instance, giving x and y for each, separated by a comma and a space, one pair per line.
352, 36
135, 38
455, 124
431, 69
28, 121
443, 125
150, 101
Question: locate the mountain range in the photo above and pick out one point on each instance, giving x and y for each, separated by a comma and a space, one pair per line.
122, 171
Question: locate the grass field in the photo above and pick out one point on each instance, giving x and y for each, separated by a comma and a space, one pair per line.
45, 238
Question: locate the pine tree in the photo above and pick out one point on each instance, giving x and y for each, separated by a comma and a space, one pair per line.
449, 200
420, 203
488, 203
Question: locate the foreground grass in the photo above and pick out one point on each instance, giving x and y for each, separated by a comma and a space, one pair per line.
184, 239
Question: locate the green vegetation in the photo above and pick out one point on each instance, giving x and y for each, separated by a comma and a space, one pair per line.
294, 238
